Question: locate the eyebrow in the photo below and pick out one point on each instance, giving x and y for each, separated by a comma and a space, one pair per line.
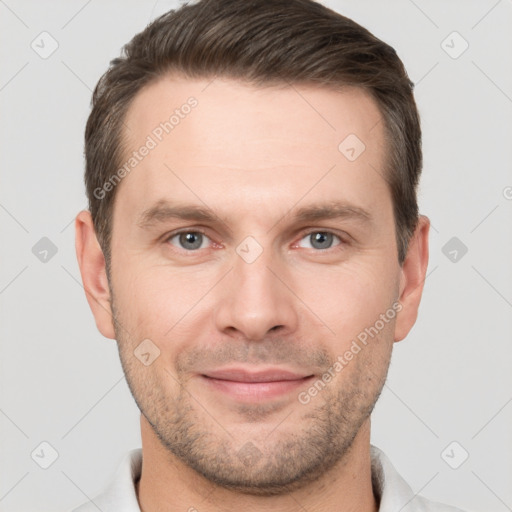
332, 210
164, 210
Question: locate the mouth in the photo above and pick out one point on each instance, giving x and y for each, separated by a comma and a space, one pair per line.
255, 386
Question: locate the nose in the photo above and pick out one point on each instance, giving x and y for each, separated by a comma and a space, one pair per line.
256, 298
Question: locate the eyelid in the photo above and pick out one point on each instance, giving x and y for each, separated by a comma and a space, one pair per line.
172, 234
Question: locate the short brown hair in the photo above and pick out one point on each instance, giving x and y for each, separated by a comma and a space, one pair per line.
262, 42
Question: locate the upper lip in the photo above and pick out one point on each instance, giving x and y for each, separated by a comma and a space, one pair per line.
261, 375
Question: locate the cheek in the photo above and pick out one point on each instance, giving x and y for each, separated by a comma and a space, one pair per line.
350, 298
158, 302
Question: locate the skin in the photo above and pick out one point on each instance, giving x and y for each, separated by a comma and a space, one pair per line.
254, 156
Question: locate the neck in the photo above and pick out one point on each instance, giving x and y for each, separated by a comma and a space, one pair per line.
166, 484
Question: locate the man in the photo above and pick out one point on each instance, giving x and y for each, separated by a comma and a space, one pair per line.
254, 246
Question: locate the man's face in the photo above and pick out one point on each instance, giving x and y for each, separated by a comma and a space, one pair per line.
257, 287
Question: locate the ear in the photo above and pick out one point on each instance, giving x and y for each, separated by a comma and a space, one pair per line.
93, 271
412, 278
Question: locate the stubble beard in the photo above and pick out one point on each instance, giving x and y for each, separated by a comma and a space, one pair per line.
314, 439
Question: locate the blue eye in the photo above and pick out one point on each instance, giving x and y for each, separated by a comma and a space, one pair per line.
320, 240
189, 240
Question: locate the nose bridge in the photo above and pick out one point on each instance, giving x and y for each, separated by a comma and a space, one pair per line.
255, 300
253, 274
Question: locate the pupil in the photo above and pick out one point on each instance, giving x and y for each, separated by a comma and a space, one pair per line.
193, 240
321, 240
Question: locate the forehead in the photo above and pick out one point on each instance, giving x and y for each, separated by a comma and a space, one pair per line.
307, 112
228, 141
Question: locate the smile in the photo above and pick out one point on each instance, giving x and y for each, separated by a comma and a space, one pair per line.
240, 384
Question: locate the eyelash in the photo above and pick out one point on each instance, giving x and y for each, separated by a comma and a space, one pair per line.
304, 234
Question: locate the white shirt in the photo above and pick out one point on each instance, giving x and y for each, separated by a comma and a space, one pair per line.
394, 493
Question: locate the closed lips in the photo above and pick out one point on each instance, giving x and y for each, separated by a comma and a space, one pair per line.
239, 375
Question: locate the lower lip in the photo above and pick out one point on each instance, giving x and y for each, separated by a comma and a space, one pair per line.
255, 391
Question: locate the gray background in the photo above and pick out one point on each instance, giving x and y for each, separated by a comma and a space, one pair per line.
62, 383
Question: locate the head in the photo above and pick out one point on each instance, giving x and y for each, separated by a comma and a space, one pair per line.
251, 169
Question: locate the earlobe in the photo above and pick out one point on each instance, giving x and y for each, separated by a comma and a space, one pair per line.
93, 271
412, 278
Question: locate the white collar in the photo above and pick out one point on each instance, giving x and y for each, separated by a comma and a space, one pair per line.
390, 488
